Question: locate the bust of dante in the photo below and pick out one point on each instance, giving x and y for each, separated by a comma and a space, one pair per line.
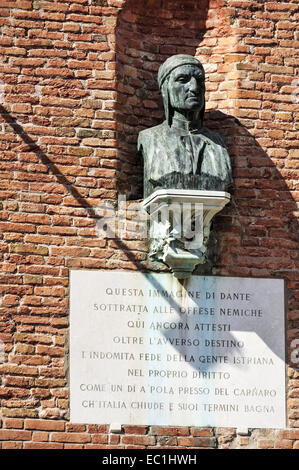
181, 153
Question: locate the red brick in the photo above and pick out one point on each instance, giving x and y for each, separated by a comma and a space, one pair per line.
138, 440
75, 427
135, 429
13, 423
169, 431
13, 435
114, 439
265, 444
40, 436
42, 445
202, 432
100, 439
95, 428
12, 445
44, 425
283, 444
289, 434
70, 437
196, 442
73, 446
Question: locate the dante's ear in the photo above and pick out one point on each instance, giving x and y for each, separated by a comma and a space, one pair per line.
166, 101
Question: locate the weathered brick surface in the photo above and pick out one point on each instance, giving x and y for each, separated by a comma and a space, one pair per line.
78, 82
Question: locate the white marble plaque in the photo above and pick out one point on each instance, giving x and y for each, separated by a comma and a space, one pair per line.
146, 349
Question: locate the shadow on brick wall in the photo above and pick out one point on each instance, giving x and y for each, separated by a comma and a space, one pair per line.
60, 178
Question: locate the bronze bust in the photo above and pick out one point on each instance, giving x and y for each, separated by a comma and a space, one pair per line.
181, 153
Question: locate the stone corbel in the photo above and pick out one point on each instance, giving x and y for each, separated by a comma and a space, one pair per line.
180, 221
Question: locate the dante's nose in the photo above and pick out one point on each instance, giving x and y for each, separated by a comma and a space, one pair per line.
193, 85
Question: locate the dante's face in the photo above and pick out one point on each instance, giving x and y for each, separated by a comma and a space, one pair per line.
186, 88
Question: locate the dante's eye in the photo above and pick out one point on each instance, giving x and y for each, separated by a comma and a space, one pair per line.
182, 79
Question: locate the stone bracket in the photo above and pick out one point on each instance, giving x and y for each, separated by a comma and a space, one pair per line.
180, 222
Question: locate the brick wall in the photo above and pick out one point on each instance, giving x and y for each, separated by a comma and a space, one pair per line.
78, 82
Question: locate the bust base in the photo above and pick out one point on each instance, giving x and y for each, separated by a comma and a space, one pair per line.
171, 211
